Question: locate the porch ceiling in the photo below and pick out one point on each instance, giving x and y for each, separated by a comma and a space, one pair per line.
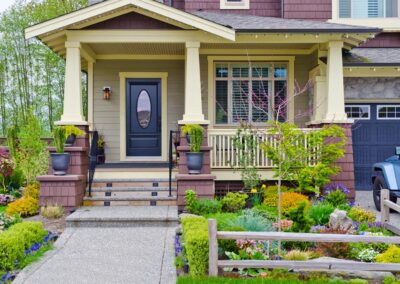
139, 48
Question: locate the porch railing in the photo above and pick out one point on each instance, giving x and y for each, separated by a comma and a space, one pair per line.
92, 159
226, 155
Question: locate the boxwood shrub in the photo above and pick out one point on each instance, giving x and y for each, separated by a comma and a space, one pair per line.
16, 240
195, 236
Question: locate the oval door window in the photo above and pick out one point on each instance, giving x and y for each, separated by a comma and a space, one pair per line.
143, 109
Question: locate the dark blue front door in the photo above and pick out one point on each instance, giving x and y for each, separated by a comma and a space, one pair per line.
143, 117
375, 137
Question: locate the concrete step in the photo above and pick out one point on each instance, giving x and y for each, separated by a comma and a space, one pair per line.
124, 216
131, 191
135, 182
130, 201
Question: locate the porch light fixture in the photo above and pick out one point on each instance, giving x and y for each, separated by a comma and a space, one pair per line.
106, 93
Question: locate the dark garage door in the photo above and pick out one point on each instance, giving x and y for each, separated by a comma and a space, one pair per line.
376, 133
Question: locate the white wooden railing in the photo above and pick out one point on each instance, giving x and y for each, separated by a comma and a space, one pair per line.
225, 154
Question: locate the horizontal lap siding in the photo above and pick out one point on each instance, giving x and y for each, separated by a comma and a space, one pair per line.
308, 9
107, 113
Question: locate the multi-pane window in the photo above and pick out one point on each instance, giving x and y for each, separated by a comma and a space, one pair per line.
368, 8
358, 111
388, 112
254, 92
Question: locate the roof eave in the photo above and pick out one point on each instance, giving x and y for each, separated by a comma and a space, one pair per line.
333, 30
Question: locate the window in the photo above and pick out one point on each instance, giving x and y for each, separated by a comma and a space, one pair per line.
250, 92
234, 4
368, 8
358, 111
388, 112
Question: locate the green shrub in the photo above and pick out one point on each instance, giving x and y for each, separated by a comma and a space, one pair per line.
73, 130
222, 219
234, 201
320, 213
16, 240
391, 280
195, 236
359, 214
301, 222
201, 206
251, 221
392, 255
336, 196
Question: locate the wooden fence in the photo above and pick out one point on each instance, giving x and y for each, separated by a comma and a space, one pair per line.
215, 235
386, 205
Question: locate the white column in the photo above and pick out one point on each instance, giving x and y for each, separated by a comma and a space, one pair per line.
73, 113
335, 111
90, 95
193, 104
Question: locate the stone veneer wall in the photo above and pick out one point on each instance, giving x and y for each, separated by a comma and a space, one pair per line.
371, 88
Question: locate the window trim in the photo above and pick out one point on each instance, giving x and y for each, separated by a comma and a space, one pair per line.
336, 16
230, 78
242, 5
386, 118
361, 118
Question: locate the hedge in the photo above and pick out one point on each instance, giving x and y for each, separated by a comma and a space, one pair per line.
16, 240
195, 236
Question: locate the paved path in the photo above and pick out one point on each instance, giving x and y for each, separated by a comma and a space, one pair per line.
112, 254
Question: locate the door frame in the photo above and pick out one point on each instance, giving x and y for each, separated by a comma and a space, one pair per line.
163, 76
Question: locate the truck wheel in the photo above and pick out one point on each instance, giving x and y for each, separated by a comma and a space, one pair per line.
380, 183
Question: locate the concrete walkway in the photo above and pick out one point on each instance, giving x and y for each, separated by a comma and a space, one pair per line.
118, 250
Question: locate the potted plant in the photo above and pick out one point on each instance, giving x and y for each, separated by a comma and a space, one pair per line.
186, 131
101, 156
71, 132
60, 160
194, 158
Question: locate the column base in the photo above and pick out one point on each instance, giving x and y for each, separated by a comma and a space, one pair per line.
201, 122
71, 122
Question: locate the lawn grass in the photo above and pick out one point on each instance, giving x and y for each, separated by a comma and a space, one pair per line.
3, 208
222, 280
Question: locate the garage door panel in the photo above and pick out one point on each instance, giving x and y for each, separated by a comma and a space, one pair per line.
365, 155
388, 134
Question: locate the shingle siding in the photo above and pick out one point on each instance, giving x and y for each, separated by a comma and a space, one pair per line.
384, 40
308, 9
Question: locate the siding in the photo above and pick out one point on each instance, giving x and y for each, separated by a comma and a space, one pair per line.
265, 8
384, 40
107, 114
308, 9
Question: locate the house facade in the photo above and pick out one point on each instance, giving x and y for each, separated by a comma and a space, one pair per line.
219, 62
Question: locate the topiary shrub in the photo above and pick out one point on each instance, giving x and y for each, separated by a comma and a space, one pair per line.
359, 214
234, 202
32, 190
392, 255
195, 236
26, 206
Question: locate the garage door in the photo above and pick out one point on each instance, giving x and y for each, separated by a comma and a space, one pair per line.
376, 133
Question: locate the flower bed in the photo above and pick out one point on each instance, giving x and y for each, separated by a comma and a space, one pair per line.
328, 214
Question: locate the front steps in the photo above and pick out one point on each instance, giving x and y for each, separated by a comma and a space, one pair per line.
131, 192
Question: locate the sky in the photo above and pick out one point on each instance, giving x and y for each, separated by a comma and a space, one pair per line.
4, 4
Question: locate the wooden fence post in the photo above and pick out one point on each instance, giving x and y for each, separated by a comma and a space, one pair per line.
385, 211
213, 248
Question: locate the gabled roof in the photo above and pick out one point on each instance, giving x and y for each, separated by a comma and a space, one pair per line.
249, 23
359, 57
110, 6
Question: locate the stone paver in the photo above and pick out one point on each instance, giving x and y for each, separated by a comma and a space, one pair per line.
108, 255
364, 199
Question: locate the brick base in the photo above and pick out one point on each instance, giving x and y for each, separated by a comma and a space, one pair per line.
67, 191
203, 185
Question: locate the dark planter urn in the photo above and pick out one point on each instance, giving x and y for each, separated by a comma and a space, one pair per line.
194, 162
60, 163
70, 140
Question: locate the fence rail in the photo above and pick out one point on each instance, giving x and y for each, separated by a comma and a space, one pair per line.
215, 264
386, 205
226, 155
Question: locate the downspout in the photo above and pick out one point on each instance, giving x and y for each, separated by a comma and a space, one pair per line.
282, 9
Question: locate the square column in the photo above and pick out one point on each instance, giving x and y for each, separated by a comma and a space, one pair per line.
193, 103
73, 113
335, 110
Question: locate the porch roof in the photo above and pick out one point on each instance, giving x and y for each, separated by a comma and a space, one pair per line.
359, 57
249, 23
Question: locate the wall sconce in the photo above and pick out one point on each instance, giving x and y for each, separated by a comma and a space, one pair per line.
106, 93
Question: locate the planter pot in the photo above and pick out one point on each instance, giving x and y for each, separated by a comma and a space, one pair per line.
194, 162
188, 139
70, 140
60, 163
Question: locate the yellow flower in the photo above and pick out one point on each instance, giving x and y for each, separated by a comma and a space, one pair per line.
254, 190
263, 186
